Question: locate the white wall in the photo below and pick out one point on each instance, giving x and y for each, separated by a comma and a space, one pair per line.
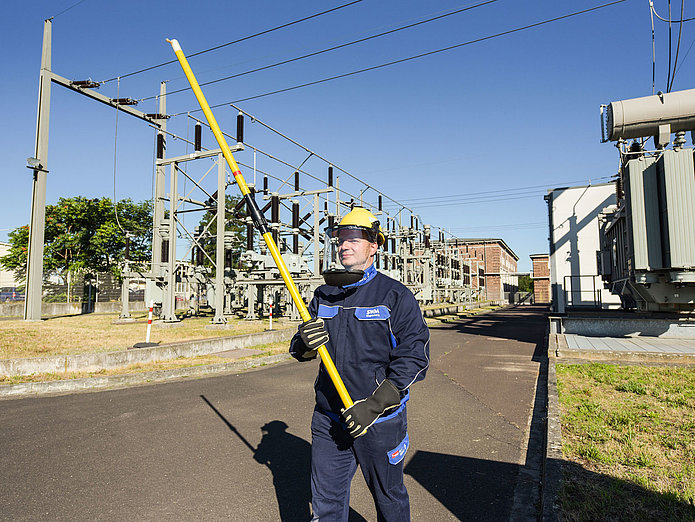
573, 214
6, 277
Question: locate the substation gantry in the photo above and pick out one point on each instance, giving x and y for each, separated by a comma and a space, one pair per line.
242, 279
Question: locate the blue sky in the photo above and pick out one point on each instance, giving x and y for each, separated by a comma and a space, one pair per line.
517, 111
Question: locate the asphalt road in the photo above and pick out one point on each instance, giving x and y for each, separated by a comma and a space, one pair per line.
237, 447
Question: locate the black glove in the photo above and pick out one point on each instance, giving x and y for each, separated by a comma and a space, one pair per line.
313, 335
363, 413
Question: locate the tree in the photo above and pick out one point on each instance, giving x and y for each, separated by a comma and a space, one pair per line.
232, 224
525, 283
85, 234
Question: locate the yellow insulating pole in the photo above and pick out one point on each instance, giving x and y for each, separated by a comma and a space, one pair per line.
259, 221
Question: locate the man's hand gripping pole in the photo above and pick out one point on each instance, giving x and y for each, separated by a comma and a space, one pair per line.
259, 221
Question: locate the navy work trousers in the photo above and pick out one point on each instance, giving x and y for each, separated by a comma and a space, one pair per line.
334, 460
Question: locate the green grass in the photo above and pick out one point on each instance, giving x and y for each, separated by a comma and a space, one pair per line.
628, 442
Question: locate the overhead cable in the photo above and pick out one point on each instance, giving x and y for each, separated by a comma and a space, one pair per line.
421, 55
651, 6
283, 26
477, 201
501, 191
256, 120
66, 10
291, 166
328, 49
684, 57
678, 47
668, 73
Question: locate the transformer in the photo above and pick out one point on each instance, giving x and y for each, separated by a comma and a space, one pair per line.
647, 241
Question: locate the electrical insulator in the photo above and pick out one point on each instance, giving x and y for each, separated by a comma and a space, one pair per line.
228, 258
265, 185
379, 202
295, 227
296, 181
330, 175
295, 214
229, 239
275, 208
198, 140
165, 250
127, 247
161, 145
275, 214
240, 127
249, 236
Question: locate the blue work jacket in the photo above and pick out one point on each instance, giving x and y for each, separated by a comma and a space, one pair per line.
376, 331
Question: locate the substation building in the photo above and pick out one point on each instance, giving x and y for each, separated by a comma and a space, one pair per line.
495, 265
541, 278
573, 237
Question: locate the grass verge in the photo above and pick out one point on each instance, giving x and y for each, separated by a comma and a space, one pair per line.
98, 333
628, 442
181, 362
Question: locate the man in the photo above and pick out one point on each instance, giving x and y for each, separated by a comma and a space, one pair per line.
374, 331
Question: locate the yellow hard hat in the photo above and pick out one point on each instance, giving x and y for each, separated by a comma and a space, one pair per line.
362, 219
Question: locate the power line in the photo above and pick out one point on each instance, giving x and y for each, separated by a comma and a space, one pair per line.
685, 57
651, 6
678, 47
422, 55
489, 199
517, 190
506, 226
283, 26
328, 49
66, 10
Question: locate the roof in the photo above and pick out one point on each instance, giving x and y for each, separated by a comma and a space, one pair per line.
539, 255
482, 240
550, 191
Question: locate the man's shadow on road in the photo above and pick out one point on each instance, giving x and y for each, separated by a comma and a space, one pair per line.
288, 458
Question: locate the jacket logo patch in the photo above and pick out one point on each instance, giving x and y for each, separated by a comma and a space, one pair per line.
372, 313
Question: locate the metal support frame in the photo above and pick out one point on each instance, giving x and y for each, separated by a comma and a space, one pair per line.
34, 280
170, 268
169, 295
32, 305
219, 246
419, 267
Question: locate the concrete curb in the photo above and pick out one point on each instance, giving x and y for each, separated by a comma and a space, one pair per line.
618, 357
529, 488
552, 463
118, 359
115, 381
452, 309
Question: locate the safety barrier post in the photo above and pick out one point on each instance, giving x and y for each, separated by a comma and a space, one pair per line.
149, 322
